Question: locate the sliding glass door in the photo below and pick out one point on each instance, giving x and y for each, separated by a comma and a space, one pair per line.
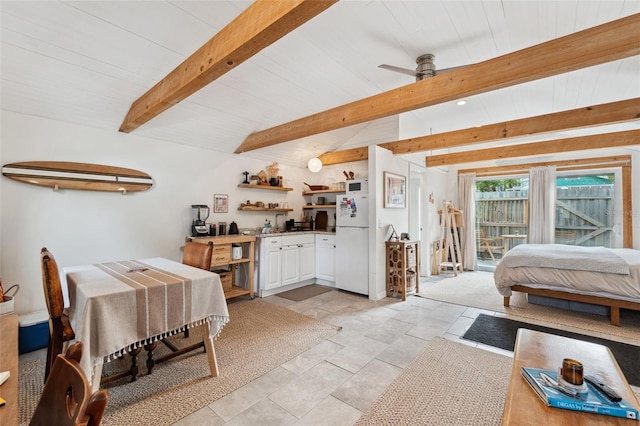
501, 217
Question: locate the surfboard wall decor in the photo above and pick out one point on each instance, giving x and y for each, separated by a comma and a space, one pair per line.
83, 176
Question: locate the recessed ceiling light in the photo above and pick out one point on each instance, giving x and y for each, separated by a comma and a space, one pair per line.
460, 103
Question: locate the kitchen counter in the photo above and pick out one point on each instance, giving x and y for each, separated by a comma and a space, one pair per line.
280, 234
232, 238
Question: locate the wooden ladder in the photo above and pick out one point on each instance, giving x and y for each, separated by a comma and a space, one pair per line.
450, 240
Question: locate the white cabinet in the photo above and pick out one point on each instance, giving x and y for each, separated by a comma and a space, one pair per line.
285, 260
307, 261
290, 264
269, 261
298, 258
326, 257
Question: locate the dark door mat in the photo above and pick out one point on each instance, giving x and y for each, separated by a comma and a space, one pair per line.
501, 333
303, 293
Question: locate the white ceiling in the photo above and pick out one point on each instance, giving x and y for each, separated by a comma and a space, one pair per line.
85, 62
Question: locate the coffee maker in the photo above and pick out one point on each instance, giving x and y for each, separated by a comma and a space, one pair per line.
199, 225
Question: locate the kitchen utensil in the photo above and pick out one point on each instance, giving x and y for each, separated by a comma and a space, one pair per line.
199, 223
222, 228
233, 228
316, 187
321, 220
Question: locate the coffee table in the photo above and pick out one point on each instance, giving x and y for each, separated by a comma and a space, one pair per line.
542, 350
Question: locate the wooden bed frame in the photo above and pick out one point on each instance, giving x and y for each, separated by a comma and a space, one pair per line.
613, 304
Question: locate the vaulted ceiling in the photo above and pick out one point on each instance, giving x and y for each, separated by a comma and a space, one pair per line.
86, 62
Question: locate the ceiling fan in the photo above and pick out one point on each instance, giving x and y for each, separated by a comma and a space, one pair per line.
425, 69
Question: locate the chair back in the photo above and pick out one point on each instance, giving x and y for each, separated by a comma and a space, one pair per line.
198, 255
51, 284
66, 400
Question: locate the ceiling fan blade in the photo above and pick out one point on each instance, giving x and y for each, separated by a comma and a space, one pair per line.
398, 69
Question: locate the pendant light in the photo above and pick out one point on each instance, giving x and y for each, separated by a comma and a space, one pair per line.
314, 165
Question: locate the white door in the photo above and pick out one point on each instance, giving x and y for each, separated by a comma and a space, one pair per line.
273, 259
326, 259
352, 210
307, 261
290, 264
352, 259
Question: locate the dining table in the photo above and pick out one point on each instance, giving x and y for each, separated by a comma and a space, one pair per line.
116, 307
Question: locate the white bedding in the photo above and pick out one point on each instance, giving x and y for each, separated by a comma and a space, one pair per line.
618, 284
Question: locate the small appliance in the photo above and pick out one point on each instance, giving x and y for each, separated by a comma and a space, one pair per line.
199, 223
233, 228
236, 252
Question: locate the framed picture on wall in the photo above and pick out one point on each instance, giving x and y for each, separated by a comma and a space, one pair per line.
220, 203
395, 191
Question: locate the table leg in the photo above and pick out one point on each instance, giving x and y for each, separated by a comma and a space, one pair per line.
133, 371
95, 379
211, 353
150, 362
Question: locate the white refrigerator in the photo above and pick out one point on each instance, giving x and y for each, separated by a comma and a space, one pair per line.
352, 239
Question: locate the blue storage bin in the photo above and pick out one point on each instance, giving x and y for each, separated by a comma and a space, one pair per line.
34, 331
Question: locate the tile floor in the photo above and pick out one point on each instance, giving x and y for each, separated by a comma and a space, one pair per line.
336, 381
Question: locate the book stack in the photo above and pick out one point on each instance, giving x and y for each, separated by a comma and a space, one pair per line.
592, 400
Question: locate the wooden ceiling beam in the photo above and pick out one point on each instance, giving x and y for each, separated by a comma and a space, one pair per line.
561, 165
604, 43
605, 140
261, 24
597, 115
345, 156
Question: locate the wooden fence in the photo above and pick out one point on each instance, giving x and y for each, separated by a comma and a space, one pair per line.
584, 214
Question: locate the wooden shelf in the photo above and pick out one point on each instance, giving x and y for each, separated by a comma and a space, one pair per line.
324, 191
319, 206
222, 263
236, 292
267, 187
262, 209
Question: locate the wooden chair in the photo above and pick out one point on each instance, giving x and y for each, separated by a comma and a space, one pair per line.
197, 255
490, 244
66, 399
60, 330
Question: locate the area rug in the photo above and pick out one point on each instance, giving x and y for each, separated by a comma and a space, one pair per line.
303, 293
501, 333
259, 337
448, 383
477, 289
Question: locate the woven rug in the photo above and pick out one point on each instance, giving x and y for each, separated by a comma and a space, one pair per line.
303, 293
259, 337
477, 289
448, 383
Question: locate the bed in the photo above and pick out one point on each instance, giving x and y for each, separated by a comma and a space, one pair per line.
595, 275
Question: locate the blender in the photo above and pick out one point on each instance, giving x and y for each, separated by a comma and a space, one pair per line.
199, 226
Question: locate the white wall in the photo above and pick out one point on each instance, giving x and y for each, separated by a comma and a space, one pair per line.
381, 160
81, 227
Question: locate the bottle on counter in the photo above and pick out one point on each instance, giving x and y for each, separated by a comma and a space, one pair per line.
212, 230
